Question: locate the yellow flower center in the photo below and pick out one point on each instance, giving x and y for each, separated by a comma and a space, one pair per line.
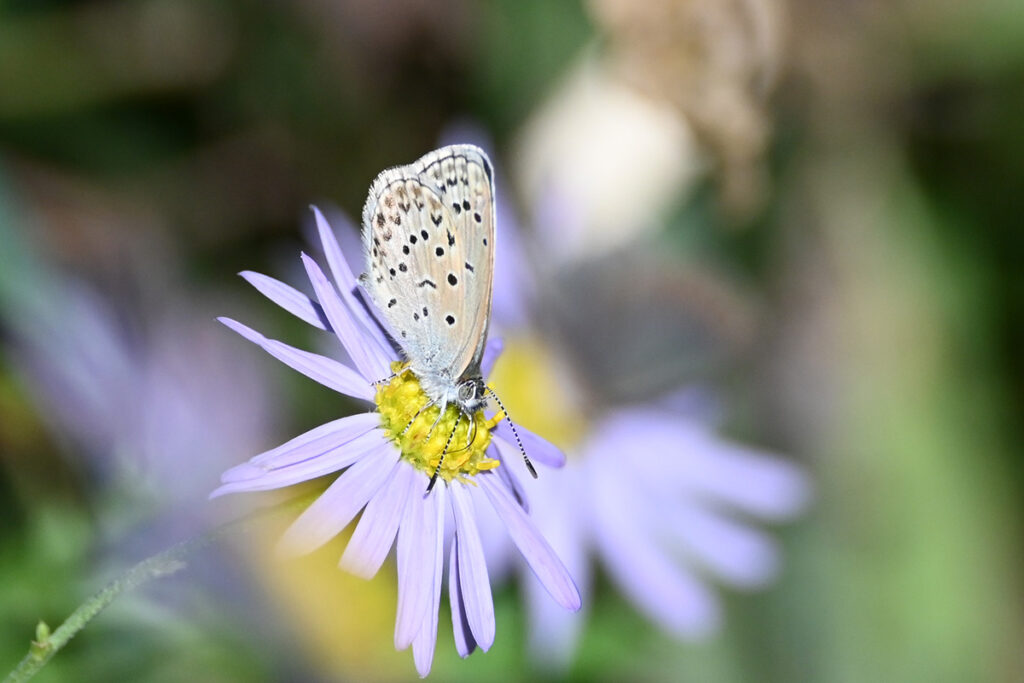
422, 434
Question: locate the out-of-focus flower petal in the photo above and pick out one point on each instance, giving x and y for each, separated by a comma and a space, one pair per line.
464, 643
369, 360
476, 588
539, 555
378, 526
554, 632
250, 477
340, 503
322, 369
425, 641
663, 589
773, 489
492, 351
739, 555
288, 298
693, 460
417, 536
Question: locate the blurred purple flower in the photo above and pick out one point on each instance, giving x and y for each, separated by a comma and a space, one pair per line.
133, 398
663, 503
380, 479
649, 490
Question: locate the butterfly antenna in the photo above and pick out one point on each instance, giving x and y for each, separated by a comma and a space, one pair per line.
519, 442
437, 470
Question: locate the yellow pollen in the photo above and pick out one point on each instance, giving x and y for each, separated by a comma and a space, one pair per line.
400, 403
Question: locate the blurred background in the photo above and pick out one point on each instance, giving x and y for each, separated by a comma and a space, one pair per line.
808, 211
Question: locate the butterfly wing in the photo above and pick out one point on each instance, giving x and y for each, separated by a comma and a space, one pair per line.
428, 233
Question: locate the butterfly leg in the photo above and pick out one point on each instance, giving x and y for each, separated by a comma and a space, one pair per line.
420, 412
388, 378
471, 437
437, 470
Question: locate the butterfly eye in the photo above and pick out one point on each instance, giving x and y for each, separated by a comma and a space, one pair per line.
467, 391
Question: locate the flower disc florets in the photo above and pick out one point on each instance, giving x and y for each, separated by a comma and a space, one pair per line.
401, 402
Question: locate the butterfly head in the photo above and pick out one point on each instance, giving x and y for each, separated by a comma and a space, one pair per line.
471, 395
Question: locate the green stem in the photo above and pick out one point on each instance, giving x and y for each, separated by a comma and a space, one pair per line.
164, 563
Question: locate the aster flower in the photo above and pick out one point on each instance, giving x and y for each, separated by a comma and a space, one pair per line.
666, 506
386, 457
134, 401
650, 491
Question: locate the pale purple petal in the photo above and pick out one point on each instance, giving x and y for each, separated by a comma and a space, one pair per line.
425, 642
659, 586
288, 298
555, 632
738, 555
369, 360
322, 369
464, 643
559, 513
315, 442
347, 285
502, 556
772, 488
340, 503
538, 449
692, 460
539, 555
508, 453
378, 526
417, 536
492, 351
250, 477
476, 587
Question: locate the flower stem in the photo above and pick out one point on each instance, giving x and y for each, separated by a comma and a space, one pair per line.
164, 563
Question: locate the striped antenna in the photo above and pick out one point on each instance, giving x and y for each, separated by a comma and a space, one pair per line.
526, 459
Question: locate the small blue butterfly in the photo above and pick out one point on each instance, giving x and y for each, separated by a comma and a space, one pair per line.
428, 234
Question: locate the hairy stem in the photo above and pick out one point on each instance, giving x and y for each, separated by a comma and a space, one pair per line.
164, 563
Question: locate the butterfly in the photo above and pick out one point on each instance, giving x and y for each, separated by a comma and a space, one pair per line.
428, 237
